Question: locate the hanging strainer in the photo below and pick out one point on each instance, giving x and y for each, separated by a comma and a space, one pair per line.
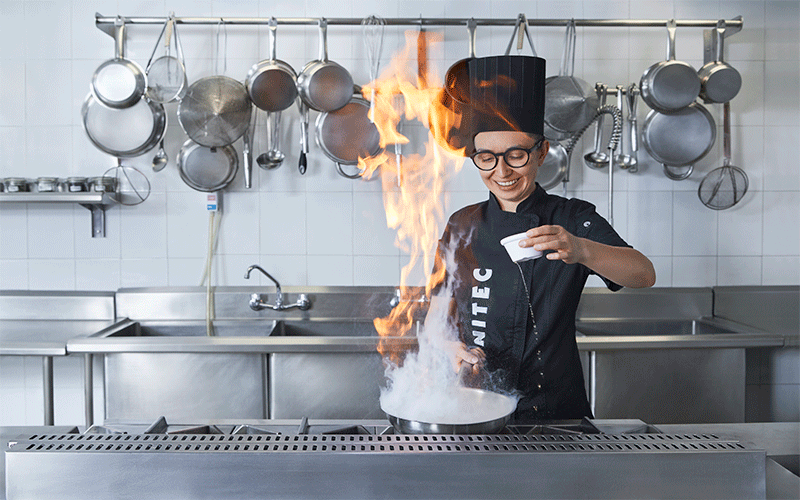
133, 187
166, 75
724, 186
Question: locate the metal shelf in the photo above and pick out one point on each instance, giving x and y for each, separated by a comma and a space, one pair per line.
96, 203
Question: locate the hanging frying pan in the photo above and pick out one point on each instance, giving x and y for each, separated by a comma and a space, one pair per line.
324, 85
272, 84
126, 132
452, 114
670, 85
679, 139
347, 134
719, 81
207, 169
119, 82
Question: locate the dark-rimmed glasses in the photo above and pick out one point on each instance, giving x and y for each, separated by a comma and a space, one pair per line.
514, 157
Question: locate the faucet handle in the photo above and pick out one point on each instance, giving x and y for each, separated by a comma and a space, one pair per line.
303, 303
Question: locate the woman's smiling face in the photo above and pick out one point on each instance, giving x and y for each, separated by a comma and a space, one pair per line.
511, 185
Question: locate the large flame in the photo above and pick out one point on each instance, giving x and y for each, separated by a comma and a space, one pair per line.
413, 184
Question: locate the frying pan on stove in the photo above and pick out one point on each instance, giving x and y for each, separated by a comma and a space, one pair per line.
484, 412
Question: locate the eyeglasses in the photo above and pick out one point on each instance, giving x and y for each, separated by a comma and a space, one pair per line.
514, 157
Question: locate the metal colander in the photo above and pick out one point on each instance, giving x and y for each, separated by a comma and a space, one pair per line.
215, 111
724, 186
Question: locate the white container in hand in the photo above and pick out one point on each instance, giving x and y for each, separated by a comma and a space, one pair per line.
516, 252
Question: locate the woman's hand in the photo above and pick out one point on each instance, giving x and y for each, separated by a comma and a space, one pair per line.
561, 244
461, 354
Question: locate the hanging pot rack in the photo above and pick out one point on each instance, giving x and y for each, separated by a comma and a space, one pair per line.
106, 23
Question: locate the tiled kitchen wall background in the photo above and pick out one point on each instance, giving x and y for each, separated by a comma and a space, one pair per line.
323, 229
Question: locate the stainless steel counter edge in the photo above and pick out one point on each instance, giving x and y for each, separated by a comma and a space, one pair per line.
362, 344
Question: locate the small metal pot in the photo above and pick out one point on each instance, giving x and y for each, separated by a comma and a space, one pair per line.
272, 84
719, 81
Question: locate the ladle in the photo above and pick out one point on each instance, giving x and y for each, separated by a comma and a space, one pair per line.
273, 158
625, 161
160, 159
596, 158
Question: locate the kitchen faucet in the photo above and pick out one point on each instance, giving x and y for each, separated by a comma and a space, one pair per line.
257, 304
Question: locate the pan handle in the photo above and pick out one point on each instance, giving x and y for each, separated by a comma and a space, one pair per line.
678, 177
471, 26
672, 27
345, 174
323, 39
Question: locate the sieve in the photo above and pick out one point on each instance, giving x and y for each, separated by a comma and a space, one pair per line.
132, 186
166, 75
207, 169
724, 186
215, 111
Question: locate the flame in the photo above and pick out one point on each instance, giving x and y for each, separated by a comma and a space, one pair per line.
413, 184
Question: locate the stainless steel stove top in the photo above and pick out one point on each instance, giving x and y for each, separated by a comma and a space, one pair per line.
357, 459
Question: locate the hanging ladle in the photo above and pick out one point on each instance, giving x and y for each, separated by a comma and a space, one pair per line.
624, 160
597, 158
273, 158
160, 159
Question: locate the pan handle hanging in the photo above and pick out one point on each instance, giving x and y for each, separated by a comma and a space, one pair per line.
519, 27
341, 172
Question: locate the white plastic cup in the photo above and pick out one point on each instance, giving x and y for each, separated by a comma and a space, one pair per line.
516, 252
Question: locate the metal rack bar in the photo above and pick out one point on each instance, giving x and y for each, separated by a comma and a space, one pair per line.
106, 23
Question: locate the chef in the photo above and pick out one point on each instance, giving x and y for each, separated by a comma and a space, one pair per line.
518, 323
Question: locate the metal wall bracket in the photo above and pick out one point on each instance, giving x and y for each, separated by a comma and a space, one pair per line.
98, 218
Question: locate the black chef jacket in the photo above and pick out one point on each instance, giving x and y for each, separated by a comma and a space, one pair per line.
541, 362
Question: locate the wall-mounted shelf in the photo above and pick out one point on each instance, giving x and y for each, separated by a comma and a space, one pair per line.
96, 203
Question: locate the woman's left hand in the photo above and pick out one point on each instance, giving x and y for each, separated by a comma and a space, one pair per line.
558, 241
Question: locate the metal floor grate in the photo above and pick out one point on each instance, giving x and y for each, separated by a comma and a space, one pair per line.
222, 443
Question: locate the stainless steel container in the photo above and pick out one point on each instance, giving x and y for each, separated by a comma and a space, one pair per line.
16, 185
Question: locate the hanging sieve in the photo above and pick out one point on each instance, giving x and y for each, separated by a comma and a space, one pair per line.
133, 187
207, 169
166, 75
724, 186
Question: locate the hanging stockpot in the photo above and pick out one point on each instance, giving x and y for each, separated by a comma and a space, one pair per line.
119, 82
323, 84
670, 85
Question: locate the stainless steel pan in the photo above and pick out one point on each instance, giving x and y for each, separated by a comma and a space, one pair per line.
679, 139
347, 134
324, 85
272, 83
670, 85
119, 82
126, 132
719, 81
484, 412
207, 169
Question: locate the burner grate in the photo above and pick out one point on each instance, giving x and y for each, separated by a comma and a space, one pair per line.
365, 443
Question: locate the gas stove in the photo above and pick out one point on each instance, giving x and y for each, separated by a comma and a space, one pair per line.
365, 459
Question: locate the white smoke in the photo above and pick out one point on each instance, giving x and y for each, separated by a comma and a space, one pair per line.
427, 387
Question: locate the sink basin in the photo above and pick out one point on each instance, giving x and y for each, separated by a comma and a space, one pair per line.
324, 329
652, 327
195, 329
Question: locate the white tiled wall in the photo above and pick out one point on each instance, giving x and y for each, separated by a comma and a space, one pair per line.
323, 229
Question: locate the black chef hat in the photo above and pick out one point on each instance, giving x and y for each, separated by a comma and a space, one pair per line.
507, 93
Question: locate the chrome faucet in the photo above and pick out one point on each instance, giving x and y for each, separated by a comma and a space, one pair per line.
257, 304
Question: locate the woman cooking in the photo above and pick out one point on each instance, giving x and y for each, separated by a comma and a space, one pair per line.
531, 343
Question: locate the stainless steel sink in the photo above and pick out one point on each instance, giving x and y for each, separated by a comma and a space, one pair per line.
653, 327
324, 329
197, 329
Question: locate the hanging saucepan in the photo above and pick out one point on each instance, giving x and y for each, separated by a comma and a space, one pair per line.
679, 139
207, 169
451, 109
347, 134
272, 83
570, 103
670, 85
119, 82
215, 111
478, 412
126, 132
719, 81
324, 85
